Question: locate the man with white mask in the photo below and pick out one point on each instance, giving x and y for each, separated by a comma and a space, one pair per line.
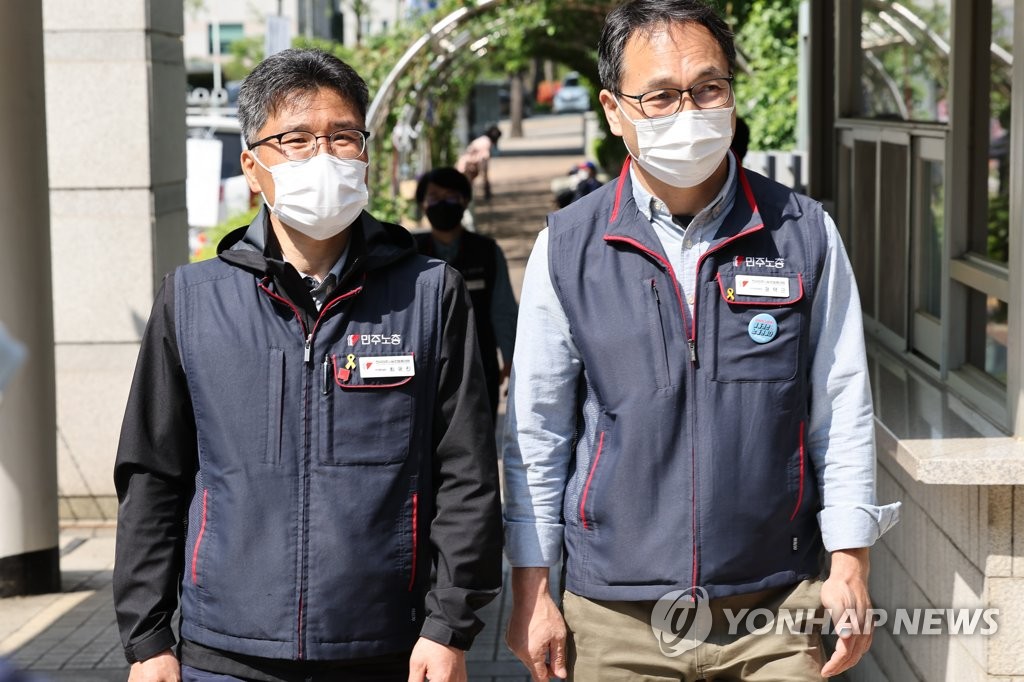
689, 422
307, 457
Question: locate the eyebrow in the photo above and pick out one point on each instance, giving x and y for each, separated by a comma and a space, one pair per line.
337, 124
669, 82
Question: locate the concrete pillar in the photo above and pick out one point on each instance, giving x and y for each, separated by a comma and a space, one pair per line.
115, 101
29, 559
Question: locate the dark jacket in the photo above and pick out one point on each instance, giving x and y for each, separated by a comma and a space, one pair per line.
476, 263
317, 496
690, 466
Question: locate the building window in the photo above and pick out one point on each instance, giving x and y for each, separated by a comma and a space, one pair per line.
228, 33
903, 61
993, 242
926, 191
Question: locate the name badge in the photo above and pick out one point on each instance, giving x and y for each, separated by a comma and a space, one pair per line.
476, 284
386, 366
753, 285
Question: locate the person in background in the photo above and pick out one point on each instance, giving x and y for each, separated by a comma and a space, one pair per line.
444, 194
475, 160
586, 180
581, 181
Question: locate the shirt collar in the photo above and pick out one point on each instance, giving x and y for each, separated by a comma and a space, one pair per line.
336, 270
652, 206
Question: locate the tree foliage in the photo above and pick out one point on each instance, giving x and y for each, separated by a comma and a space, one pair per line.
565, 31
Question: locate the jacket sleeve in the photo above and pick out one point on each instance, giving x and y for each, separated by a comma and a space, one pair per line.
154, 478
466, 532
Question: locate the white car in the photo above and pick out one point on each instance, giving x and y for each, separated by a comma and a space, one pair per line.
571, 97
215, 188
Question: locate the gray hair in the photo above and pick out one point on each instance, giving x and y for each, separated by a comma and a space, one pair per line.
289, 73
623, 22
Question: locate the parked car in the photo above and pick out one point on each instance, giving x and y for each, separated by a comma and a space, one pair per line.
571, 97
215, 188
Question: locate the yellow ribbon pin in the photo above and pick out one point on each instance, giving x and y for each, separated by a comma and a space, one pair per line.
730, 294
351, 364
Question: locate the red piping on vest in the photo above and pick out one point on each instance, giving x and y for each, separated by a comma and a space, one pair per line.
586, 488
199, 537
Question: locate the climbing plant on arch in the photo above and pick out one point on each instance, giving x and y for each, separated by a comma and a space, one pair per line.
423, 70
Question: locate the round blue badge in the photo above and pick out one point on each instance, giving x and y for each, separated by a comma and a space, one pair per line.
762, 328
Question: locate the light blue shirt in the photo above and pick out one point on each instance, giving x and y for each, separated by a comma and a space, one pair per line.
541, 418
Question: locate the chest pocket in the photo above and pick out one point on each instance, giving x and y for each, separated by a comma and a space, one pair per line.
366, 407
757, 326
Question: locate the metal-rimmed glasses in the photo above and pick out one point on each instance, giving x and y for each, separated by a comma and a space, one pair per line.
301, 145
707, 94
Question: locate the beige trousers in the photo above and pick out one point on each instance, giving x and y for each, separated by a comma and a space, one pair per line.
613, 641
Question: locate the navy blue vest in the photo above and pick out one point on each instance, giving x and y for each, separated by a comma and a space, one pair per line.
690, 467
307, 531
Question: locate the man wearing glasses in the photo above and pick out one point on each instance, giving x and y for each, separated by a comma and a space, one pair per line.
307, 456
690, 417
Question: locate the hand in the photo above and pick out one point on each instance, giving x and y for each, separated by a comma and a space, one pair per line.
163, 667
536, 631
437, 662
845, 596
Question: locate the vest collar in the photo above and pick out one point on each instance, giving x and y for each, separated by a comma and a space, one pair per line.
627, 222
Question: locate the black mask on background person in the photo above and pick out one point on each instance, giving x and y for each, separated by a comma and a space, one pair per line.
445, 216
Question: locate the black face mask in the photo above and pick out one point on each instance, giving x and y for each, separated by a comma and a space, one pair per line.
445, 216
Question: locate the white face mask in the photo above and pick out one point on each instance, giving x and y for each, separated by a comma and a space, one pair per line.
684, 149
320, 197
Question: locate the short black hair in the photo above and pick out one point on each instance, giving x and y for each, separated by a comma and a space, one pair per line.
446, 177
295, 72
623, 22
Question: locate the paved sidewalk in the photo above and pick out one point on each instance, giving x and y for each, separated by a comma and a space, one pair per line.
72, 635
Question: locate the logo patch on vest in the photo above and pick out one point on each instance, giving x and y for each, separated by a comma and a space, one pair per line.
752, 262
375, 339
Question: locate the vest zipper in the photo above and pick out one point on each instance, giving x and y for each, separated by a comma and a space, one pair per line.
691, 340
309, 380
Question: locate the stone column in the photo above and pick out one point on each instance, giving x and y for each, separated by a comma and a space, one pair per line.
115, 100
29, 560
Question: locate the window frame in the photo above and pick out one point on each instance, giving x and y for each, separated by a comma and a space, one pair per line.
962, 149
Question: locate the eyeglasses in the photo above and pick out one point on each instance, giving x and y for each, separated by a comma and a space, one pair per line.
300, 145
709, 94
